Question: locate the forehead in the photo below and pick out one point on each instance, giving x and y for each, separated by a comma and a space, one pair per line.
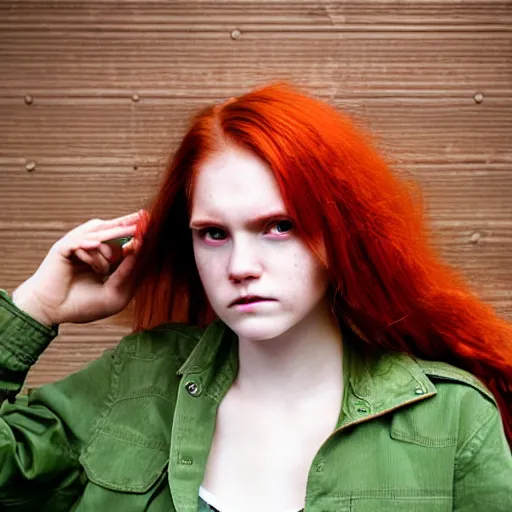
235, 182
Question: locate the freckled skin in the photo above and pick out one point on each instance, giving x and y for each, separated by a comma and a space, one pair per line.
232, 189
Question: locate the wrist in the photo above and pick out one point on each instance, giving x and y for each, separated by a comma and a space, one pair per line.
29, 305
22, 340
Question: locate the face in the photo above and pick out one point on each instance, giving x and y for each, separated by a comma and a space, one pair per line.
259, 277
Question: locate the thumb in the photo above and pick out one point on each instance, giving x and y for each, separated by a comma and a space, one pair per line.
122, 279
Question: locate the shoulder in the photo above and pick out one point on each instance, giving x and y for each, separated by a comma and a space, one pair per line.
145, 364
460, 406
473, 410
163, 342
450, 377
473, 402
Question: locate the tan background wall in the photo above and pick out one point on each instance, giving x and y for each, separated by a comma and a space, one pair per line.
94, 95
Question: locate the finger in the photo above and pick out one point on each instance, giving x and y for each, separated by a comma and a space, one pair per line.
100, 261
108, 251
88, 244
121, 278
84, 256
108, 234
110, 254
68, 245
113, 254
132, 246
126, 220
94, 225
86, 227
95, 260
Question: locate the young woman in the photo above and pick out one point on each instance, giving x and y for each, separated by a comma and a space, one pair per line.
297, 344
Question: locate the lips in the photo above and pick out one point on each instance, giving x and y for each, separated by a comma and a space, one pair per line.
248, 299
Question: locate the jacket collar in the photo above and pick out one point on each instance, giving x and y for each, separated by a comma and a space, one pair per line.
375, 381
216, 339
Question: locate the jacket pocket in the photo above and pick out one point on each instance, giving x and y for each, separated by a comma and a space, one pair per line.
124, 476
130, 448
123, 466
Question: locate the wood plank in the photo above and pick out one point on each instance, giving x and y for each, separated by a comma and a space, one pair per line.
73, 65
154, 128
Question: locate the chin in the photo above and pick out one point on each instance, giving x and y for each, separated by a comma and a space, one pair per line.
258, 328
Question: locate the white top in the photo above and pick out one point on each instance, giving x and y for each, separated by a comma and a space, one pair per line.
213, 501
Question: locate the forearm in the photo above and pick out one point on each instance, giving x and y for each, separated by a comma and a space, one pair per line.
42, 435
22, 340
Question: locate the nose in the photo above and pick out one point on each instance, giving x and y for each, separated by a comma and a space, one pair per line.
244, 262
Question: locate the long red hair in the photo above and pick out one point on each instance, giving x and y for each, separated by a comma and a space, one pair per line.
386, 279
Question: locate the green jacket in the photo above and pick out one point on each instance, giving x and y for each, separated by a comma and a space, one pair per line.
132, 431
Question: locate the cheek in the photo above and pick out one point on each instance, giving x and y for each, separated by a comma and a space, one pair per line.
315, 280
208, 267
201, 260
304, 273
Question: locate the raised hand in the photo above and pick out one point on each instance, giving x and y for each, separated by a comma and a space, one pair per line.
73, 284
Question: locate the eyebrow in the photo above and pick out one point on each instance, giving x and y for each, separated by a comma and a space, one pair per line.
255, 222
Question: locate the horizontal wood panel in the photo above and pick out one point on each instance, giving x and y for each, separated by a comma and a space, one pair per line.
149, 128
493, 13
345, 65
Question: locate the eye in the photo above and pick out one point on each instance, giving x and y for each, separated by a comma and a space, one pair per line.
214, 234
280, 227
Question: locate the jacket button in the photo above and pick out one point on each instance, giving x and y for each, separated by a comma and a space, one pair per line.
192, 388
419, 391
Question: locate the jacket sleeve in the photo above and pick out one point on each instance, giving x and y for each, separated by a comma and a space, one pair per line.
41, 434
483, 468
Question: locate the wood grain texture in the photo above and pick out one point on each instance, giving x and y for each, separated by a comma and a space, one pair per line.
95, 96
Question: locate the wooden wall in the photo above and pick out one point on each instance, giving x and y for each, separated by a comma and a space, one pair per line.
95, 94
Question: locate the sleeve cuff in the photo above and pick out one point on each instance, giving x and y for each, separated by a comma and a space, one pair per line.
22, 338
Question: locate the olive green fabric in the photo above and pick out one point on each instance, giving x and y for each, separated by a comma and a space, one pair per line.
132, 431
204, 507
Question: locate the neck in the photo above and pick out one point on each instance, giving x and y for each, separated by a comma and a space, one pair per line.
303, 360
